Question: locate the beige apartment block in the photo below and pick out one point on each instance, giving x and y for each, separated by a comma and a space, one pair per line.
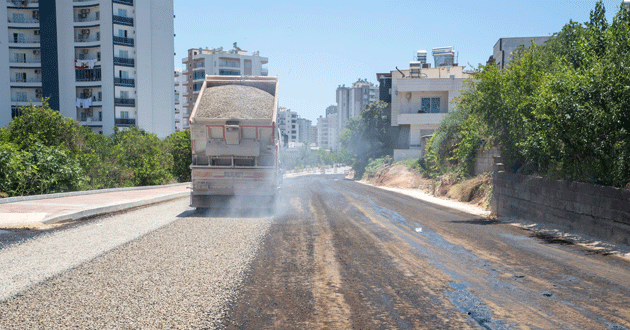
421, 98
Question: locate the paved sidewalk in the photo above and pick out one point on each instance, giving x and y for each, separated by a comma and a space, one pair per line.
53, 210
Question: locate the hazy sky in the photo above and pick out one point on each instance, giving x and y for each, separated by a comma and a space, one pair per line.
314, 47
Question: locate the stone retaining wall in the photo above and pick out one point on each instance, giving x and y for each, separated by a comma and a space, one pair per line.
594, 210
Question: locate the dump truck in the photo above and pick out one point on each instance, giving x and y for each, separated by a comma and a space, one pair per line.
235, 143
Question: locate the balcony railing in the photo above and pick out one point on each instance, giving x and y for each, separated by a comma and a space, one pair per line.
81, 38
125, 102
122, 20
124, 2
87, 117
24, 40
24, 20
93, 97
123, 61
81, 0
90, 18
26, 80
125, 121
123, 41
88, 74
25, 99
125, 82
22, 3
25, 60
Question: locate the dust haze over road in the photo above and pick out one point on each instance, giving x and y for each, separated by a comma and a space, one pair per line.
336, 255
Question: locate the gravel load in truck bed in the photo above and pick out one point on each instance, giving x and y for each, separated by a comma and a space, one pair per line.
235, 101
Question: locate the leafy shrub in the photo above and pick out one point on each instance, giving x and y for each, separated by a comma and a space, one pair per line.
377, 164
39, 169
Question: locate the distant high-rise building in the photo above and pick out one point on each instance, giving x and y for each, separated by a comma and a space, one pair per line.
304, 130
101, 62
216, 61
502, 51
352, 100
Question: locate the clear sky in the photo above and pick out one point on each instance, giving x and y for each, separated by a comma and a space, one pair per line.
315, 46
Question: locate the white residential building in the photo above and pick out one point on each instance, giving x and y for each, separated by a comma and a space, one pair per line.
304, 130
102, 62
352, 100
327, 131
201, 62
288, 124
420, 101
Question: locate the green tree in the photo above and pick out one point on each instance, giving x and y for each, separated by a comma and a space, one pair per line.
179, 146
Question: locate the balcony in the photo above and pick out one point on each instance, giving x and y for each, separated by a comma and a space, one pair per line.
125, 121
124, 2
88, 75
82, 19
87, 96
430, 120
88, 116
88, 38
26, 80
123, 61
124, 82
124, 102
23, 20
122, 20
123, 41
32, 40
35, 60
22, 3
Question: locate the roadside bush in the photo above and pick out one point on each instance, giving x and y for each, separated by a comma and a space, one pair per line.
143, 153
39, 169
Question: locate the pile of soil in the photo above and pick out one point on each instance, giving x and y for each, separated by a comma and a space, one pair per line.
398, 176
476, 190
235, 101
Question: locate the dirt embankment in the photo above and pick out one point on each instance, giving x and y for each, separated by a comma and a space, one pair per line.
477, 190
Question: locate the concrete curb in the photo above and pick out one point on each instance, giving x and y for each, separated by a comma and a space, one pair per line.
113, 208
80, 193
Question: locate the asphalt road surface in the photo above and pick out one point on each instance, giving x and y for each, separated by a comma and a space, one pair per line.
336, 255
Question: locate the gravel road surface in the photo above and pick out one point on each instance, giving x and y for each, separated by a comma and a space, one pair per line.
179, 276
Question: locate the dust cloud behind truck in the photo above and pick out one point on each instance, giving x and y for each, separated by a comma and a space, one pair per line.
235, 142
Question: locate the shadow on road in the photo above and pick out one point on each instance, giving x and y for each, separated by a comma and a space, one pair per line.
227, 213
480, 221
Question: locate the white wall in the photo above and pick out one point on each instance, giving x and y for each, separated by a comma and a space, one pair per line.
154, 65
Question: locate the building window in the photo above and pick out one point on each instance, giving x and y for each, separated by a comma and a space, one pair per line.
197, 86
229, 73
199, 75
122, 12
430, 105
124, 114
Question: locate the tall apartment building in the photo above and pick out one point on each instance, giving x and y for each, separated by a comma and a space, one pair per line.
288, 124
502, 50
351, 100
201, 62
327, 131
304, 130
102, 62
